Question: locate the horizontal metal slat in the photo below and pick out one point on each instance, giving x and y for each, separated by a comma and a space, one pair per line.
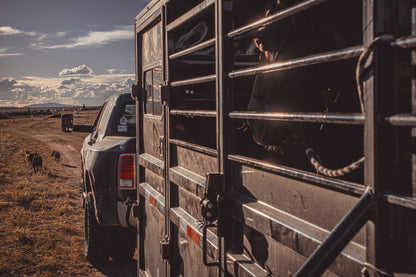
402, 201
153, 196
195, 147
353, 118
194, 81
290, 231
405, 42
192, 227
331, 56
244, 266
196, 113
151, 163
193, 49
275, 17
190, 14
347, 187
406, 120
188, 180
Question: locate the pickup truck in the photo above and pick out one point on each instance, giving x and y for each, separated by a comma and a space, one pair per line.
108, 181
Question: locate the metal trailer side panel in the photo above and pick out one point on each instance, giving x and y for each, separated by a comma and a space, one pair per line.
275, 218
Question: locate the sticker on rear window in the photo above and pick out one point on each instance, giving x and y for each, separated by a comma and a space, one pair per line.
123, 121
122, 128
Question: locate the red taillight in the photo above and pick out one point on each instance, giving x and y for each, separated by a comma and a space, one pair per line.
126, 171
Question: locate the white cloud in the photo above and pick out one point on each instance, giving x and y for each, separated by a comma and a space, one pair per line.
8, 54
111, 70
94, 38
60, 34
71, 81
124, 71
9, 31
89, 91
55, 35
79, 70
11, 54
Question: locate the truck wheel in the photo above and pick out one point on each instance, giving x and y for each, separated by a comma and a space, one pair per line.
123, 244
95, 236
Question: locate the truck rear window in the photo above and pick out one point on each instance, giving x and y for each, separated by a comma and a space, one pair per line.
125, 124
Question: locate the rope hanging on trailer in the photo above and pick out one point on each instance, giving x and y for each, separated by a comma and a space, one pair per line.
360, 68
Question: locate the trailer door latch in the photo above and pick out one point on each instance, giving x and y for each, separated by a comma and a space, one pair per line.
165, 248
211, 209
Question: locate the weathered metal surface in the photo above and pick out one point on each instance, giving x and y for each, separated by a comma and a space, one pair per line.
242, 265
151, 163
340, 236
190, 203
151, 137
294, 233
297, 198
188, 180
347, 187
196, 162
274, 216
155, 181
154, 223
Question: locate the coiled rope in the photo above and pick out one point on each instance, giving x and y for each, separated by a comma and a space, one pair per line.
313, 158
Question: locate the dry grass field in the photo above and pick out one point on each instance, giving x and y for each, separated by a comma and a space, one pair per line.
41, 219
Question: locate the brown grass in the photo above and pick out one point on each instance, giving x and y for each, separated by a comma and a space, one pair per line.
41, 219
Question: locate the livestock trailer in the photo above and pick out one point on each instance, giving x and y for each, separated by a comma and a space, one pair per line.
276, 138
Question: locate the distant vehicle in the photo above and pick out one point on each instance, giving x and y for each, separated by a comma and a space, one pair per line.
108, 180
67, 122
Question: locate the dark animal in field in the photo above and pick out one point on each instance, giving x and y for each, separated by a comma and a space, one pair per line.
30, 158
37, 163
328, 87
56, 155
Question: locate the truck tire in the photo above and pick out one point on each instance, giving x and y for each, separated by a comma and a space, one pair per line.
95, 236
123, 244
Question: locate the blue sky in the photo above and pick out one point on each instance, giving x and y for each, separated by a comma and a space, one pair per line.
72, 52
